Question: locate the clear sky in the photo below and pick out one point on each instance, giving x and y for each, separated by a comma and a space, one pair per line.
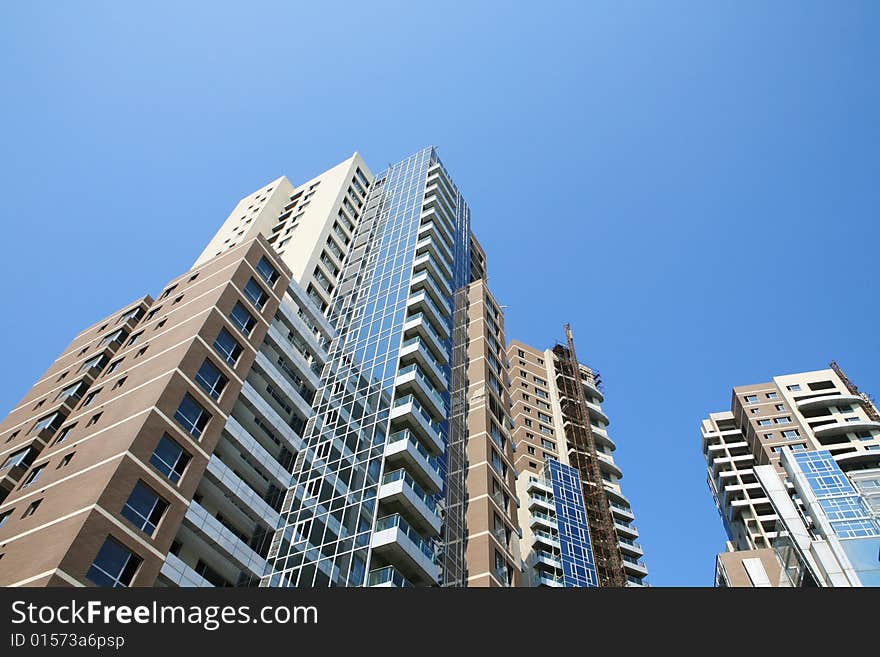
693, 185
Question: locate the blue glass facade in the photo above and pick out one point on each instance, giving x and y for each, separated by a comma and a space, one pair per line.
841, 503
578, 564
410, 252
850, 517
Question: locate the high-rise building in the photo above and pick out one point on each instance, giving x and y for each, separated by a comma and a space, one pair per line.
576, 522
794, 468
320, 401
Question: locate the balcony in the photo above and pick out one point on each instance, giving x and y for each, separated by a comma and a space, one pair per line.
435, 230
403, 448
437, 203
234, 487
541, 502
420, 302
387, 577
622, 512
546, 538
310, 310
408, 412
440, 269
395, 541
538, 519
592, 390
840, 428
258, 457
627, 531
614, 495
543, 558
178, 572
630, 547
418, 325
410, 379
546, 579
596, 413
425, 281
601, 436
217, 535
635, 566
435, 247
303, 368
272, 374
400, 493
606, 463
825, 401
294, 442
540, 484
299, 325
416, 350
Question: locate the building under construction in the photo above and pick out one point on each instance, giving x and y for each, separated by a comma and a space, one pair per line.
577, 525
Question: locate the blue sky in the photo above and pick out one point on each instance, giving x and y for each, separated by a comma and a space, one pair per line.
697, 180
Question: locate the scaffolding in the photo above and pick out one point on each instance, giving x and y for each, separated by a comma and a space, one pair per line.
870, 407
583, 456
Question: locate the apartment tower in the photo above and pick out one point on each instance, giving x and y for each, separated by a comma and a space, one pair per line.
568, 539
794, 469
320, 400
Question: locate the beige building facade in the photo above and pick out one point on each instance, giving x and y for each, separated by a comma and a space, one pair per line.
761, 456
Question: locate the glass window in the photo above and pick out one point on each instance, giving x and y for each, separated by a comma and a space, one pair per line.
267, 271
794, 388
32, 508
191, 416
96, 361
22, 457
242, 319
114, 566
64, 433
75, 391
751, 399
33, 475
210, 379
134, 313
170, 459
227, 347
48, 422
256, 294
5, 516
116, 336
144, 508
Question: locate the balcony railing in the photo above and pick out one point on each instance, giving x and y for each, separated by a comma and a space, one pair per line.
546, 535
396, 520
409, 399
406, 434
402, 474
387, 575
427, 386
429, 329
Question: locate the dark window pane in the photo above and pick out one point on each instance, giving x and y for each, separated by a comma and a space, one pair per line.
170, 459
192, 416
227, 347
144, 508
210, 379
114, 566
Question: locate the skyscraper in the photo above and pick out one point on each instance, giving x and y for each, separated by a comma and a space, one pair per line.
320, 401
568, 539
794, 468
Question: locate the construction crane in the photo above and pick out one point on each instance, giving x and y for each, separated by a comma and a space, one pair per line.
583, 456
